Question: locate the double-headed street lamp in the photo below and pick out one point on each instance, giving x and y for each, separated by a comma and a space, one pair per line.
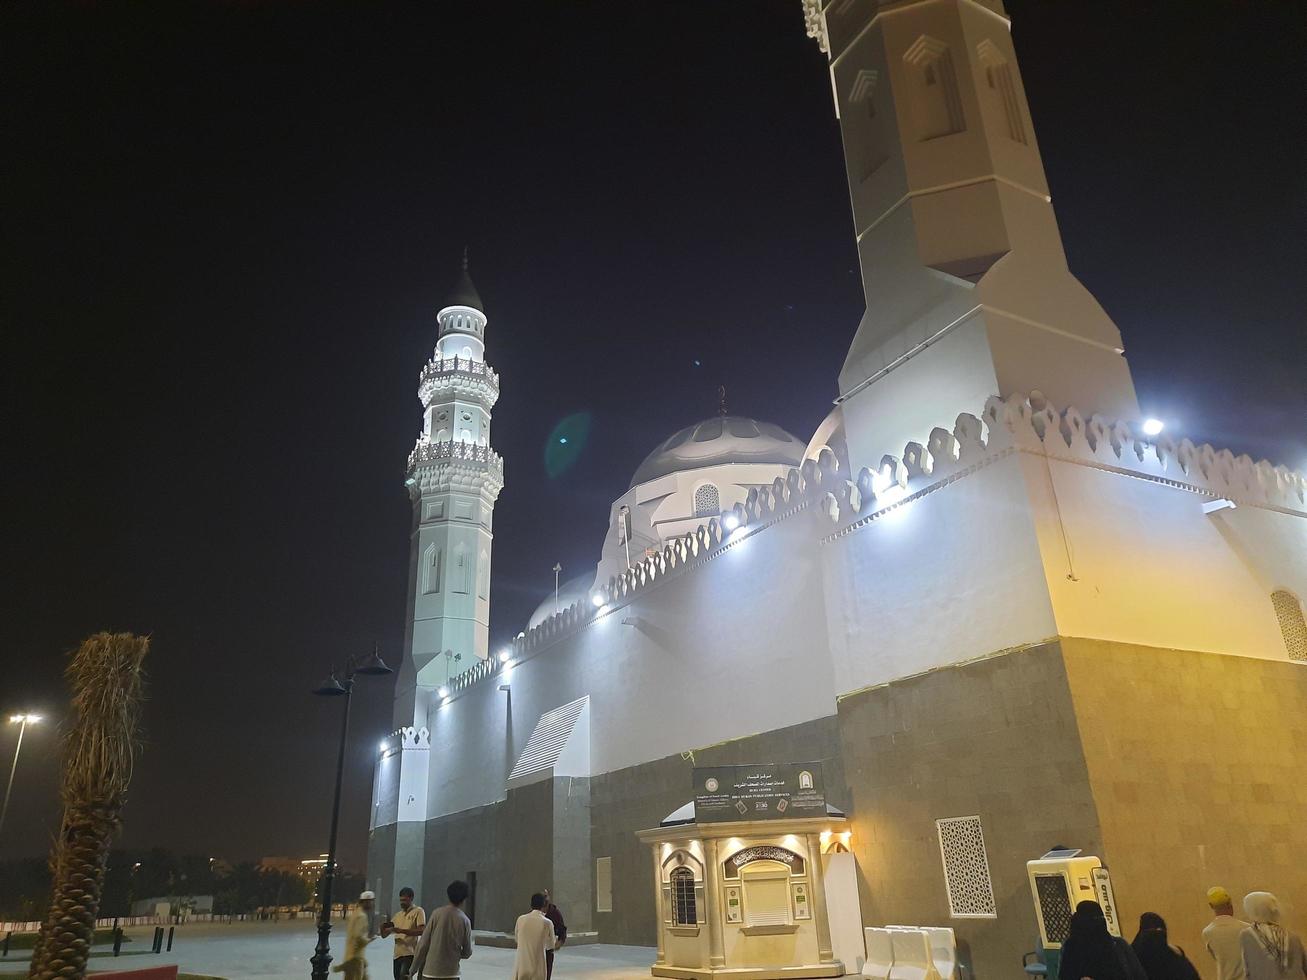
371, 666
22, 721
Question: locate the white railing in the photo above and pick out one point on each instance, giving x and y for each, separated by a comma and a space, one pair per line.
461, 365
427, 451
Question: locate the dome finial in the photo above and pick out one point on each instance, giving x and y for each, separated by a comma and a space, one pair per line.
465, 258
721, 400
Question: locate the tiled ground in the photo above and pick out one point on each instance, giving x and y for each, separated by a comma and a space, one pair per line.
281, 951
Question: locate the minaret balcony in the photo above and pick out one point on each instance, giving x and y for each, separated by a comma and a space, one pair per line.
458, 377
464, 455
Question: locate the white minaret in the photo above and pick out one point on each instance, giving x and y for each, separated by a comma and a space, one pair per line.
967, 287
454, 478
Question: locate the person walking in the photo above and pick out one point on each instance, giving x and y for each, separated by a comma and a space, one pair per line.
358, 933
1092, 953
1160, 960
1270, 951
535, 937
407, 927
447, 939
1221, 935
555, 915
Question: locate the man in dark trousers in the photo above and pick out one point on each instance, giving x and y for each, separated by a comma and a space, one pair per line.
554, 915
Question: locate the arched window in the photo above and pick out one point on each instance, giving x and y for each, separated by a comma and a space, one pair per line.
707, 501
1288, 610
684, 912
937, 105
431, 570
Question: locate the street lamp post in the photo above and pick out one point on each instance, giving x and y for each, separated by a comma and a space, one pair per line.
22, 721
371, 666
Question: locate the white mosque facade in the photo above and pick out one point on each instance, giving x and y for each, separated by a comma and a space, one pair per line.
980, 595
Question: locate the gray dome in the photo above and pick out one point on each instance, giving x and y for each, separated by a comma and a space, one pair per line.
720, 439
570, 592
465, 294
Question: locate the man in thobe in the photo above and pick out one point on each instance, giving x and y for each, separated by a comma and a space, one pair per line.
555, 915
535, 936
358, 933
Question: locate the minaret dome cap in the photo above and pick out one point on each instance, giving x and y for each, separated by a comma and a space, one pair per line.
464, 292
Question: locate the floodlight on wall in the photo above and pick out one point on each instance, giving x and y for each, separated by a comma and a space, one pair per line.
1214, 506
443, 692
1153, 427
504, 655
505, 687
597, 598
730, 520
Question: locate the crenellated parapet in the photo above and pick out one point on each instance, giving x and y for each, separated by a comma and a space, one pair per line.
1030, 424
467, 378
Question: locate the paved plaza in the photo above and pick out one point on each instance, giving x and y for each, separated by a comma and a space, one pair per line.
281, 951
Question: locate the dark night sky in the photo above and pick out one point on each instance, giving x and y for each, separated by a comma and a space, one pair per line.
226, 229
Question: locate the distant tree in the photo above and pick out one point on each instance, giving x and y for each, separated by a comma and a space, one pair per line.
107, 677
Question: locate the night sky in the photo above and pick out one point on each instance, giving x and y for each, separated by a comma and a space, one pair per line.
227, 228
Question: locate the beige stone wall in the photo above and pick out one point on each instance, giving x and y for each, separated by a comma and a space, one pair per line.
995, 738
1198, 764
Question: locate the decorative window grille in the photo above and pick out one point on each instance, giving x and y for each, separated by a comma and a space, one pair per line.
707, 501
966, 868
1054, 906
683, 907
1288, 610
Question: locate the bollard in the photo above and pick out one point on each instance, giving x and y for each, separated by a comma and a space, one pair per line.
6, 944
158, 939
117, 940
170, 932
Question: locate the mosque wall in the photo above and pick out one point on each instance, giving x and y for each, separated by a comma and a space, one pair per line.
997, 739
950, 576
1197, 764
1138, 561
673, 666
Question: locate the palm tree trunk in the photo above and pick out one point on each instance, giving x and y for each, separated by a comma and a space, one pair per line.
100, 747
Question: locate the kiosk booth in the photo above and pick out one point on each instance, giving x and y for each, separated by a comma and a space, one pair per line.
745, 898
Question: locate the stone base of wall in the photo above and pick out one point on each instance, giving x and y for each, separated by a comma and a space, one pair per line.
1181, 770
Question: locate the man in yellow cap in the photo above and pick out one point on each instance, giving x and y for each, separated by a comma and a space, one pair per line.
1222, 935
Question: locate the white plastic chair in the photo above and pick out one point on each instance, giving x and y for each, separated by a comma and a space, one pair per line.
912, 959
943, 950
880, 954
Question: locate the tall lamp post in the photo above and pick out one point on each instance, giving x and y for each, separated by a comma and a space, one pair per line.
22, 721
371, 666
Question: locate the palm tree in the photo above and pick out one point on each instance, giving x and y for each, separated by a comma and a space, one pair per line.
106, 678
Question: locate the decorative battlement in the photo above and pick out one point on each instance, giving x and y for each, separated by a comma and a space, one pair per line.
1015, 424
463, 377
1030, 424
408, 738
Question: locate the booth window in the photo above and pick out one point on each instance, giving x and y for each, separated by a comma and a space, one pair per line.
683, 910
766, 893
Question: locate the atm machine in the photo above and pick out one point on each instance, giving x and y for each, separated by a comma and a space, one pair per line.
1059, 881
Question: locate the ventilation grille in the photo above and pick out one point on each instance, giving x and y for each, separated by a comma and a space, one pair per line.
1288, 610
547, 739
966, 868
1054, 906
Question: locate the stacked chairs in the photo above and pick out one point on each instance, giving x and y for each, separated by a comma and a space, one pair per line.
911, 953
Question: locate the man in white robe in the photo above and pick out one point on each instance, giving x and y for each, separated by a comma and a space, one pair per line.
535, 935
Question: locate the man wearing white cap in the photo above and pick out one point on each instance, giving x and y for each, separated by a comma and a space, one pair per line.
358, 933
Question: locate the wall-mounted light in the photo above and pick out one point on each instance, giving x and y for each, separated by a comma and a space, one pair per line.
1153, 427
597, 598
730, 521
505, 687
443, 692
1214, 506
